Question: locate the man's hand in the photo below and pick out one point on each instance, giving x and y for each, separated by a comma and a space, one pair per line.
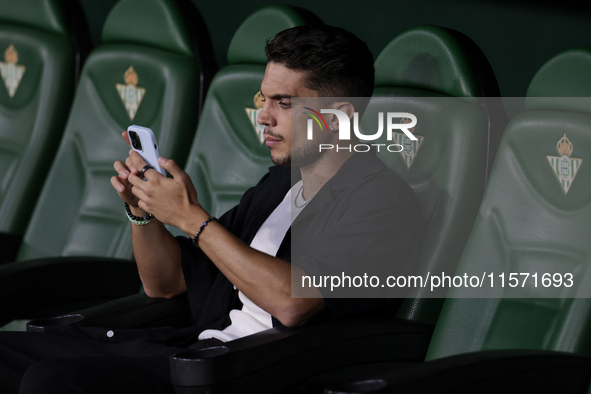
157, 253
173, 200
121, 182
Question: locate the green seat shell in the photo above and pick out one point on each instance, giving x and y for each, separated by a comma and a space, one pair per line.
531, 221
440, 76
42, 44
78, 202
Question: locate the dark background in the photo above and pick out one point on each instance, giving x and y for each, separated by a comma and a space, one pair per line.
516, 36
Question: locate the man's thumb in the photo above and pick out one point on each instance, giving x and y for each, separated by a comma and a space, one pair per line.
170, 166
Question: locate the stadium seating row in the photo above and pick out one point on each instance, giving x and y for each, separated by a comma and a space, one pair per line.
532, 215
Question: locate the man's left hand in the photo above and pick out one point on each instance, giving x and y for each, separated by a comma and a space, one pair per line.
171, 200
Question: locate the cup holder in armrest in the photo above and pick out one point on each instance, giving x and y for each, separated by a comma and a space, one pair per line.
38, 325
198, 367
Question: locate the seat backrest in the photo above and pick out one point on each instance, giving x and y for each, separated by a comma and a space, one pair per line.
144, 73
42, 43
159, 34
535, 218
228, 154
442, 78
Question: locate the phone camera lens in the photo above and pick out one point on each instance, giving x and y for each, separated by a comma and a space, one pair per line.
135, 140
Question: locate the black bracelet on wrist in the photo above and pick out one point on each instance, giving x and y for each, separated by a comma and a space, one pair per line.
205, 223
139, 220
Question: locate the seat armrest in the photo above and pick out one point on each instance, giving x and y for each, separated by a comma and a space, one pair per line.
45, 287
494, 371
285, 356
136, 311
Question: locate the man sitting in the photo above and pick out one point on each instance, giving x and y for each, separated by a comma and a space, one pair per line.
315, 212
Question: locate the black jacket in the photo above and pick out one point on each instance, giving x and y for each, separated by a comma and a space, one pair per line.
365, 219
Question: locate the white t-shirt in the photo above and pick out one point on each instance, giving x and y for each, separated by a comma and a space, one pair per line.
252, 319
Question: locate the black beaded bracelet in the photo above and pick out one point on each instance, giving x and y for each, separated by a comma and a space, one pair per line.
139, 220
205, 223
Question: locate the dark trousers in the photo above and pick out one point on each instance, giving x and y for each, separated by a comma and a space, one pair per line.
55, 363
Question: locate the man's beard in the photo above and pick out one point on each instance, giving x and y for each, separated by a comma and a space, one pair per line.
300, 156
284, 161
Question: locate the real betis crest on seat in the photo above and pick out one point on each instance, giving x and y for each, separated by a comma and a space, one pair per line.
565, 167
12, 73
130, 93
410, 147
253, 114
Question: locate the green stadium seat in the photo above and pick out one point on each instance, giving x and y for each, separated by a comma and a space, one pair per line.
145, 72
535, 218
532, 218
444, 79
42, 46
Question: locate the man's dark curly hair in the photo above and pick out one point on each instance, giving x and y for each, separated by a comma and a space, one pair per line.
338, 63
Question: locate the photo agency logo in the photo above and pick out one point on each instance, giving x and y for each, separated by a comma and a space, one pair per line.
395, 121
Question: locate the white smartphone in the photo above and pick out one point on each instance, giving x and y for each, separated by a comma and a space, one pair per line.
144, 143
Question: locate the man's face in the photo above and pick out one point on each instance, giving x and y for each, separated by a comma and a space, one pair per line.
279, 85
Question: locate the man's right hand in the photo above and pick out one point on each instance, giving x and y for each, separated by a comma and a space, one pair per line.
121, 182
